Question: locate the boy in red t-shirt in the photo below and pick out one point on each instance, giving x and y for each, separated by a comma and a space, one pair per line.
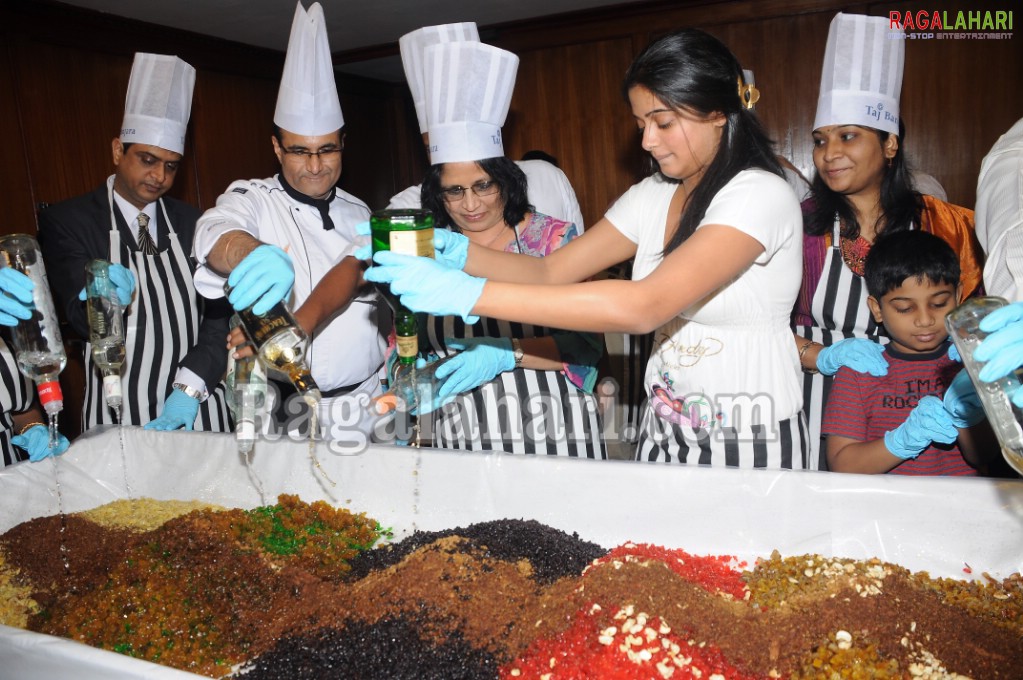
898, 422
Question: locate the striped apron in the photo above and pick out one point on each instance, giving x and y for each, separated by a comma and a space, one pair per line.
839, 311
16, 396
162, 324
522, 411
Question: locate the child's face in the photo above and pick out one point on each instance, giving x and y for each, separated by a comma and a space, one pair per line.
914, 314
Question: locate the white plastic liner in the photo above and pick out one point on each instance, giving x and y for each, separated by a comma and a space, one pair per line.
935, 524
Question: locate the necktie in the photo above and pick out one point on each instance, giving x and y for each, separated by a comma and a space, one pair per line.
146, 243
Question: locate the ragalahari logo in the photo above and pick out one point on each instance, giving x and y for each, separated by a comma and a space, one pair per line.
944, 25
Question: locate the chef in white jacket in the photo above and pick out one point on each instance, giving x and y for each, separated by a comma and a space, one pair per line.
293, 229
549, 192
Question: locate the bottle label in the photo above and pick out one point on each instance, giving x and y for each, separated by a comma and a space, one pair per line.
418, 242
408, 345
50, 392
111, 387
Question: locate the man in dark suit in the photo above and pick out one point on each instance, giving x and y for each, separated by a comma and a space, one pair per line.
175, 339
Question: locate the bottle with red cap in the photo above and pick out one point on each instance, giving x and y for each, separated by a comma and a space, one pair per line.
38, 347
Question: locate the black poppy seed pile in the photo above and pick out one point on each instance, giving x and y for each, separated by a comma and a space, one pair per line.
552, 553
391, 648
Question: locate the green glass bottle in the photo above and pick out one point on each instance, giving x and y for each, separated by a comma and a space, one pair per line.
409, 232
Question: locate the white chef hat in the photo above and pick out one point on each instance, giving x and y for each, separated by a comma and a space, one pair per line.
468, 91
307, 102
413, 46
862, 77
159, 102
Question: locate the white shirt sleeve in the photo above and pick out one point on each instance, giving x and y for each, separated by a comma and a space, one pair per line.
236, 209
999, 215
759, 204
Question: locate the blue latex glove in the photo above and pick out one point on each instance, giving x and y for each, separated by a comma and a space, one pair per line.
124, 284
261, 280
426, 285
15, 296
36, 440
364, 252
928, 422
859, 354
1003, 348
953, 353
478, 362
179, 411
450, 248
962, 401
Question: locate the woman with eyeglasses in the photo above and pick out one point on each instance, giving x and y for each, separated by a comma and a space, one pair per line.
510, 387
716, 234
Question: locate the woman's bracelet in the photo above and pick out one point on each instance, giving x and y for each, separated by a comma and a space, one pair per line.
30, 426
802, 351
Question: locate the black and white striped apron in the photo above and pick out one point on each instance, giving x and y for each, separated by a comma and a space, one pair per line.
15, 396
665, 441
839, 311
521, 411
161, 325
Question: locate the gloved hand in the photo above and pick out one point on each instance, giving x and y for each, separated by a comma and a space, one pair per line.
859, 354
124, 284
449, 248
179, 411
261, 280
478, 362
15, 296
928, 422
364, 251
953, 353
36, 440
962, 401
426, 285
1003, 348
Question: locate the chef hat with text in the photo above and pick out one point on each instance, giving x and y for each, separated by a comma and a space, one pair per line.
413, 47
307, 102
159, 102
862, 77
468, 91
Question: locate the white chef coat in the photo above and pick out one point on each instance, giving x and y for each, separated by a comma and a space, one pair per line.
350, 348
549, 192
999, 215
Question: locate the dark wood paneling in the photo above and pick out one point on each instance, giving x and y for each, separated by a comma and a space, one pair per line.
16, 202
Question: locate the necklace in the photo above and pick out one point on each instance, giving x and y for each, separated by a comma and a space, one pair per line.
855, 253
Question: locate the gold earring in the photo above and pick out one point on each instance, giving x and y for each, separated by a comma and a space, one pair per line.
748, 94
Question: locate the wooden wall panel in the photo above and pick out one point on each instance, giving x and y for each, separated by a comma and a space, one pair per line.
582, 126
229, 134
16, 203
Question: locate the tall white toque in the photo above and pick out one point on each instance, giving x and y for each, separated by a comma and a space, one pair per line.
413, 46
862, 77
468, 91
159, 102
307, 102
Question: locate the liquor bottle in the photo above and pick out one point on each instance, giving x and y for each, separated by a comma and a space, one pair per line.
38, 347
280, 344
409, 232
963, 324
106, 329
246, 397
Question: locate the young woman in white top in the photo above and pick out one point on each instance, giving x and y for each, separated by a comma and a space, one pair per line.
716, 234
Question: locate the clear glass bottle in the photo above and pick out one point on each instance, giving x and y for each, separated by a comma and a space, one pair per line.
106, 329
408, 386
246, 397
963, 324
38, 346
280, 344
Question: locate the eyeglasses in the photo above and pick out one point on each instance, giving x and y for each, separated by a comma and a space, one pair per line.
303, 154
482, 188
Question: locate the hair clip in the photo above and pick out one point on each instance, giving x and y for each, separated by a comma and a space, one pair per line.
748, 94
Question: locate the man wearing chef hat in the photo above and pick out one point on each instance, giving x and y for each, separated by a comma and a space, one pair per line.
281, 237
550, 192
174, 339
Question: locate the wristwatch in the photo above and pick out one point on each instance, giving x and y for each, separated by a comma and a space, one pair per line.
517, 352
189, 391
